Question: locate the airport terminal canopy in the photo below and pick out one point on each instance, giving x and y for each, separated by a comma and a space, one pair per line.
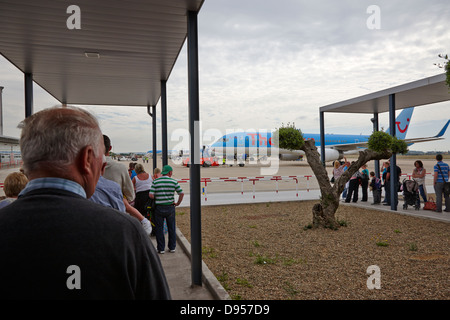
119, 55
417, 93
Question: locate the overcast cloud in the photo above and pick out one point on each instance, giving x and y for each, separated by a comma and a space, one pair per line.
267, 63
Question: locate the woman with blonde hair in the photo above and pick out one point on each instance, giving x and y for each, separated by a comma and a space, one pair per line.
142, 183
338, 169
13, 184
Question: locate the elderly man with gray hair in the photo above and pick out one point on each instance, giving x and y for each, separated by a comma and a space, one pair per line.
55, 243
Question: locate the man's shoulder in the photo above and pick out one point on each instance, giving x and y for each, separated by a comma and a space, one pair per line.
75, 209
114, 170
107, 184
165, 179
441, 165
110, 163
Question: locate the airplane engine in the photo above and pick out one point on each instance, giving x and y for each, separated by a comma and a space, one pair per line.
331, 154
289, 157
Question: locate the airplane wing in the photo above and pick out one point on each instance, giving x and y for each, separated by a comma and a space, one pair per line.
348, 146
425, 139
362, 145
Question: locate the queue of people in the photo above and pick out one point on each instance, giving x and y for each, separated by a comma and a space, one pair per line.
60, 244
151, 197
365, 180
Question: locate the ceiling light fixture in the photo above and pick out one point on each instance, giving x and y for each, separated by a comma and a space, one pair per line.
92, 55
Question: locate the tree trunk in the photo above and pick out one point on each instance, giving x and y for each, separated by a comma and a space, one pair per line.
324, 212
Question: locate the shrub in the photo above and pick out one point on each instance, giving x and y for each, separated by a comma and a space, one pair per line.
288, 137
381, 141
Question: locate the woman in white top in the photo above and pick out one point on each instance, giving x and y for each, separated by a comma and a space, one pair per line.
419, 176
142, 183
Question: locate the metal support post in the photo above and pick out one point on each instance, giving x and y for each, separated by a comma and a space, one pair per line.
151, 110
194, 169
393, 168
154, 139
1, 110
322, 137
165, 160
28, 94
376, 128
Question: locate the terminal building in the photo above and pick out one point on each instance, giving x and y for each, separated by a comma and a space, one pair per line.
9, 146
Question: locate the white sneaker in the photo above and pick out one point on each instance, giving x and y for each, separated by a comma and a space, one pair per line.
147, 226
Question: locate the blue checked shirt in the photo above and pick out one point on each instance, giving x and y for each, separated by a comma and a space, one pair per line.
54, 183
442, 175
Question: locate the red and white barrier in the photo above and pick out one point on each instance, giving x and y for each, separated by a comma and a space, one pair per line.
254, 180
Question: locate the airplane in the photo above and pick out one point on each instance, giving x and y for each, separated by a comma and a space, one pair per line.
241, 144
171, 153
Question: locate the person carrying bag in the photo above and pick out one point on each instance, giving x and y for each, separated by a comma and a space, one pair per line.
441, 184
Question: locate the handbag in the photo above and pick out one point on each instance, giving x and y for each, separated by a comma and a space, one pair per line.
430, 204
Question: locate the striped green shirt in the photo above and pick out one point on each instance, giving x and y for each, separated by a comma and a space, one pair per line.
164, 189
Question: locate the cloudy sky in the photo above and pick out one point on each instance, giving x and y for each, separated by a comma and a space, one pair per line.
264, 63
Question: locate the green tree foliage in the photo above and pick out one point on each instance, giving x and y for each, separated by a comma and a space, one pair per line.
288, 137
447, 69
381, 141
446, 66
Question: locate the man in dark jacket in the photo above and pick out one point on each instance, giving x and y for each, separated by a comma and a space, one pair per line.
55, 244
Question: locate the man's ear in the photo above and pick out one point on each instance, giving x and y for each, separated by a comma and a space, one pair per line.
85, 159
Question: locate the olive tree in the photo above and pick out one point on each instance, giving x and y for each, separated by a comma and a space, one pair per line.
380, 146
445, 66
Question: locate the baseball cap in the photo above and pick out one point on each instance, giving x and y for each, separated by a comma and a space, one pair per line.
166, 169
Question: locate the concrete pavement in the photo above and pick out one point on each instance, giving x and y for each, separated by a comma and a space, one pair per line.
177, 267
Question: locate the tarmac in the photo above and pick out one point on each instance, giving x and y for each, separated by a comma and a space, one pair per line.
177, 265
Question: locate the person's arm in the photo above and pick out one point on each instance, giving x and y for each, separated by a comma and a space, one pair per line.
132, 211
128, 188
151, 193
424, 172
180, 198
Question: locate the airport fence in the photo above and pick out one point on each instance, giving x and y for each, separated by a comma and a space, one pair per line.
266, 183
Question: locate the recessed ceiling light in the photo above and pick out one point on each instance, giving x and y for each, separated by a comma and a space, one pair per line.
92, 55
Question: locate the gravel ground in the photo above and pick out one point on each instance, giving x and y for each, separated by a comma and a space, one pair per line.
263, 251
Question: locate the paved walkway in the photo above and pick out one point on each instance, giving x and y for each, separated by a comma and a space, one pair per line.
177, 267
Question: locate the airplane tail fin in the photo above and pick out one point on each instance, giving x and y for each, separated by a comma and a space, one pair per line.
441, 133
402, 123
